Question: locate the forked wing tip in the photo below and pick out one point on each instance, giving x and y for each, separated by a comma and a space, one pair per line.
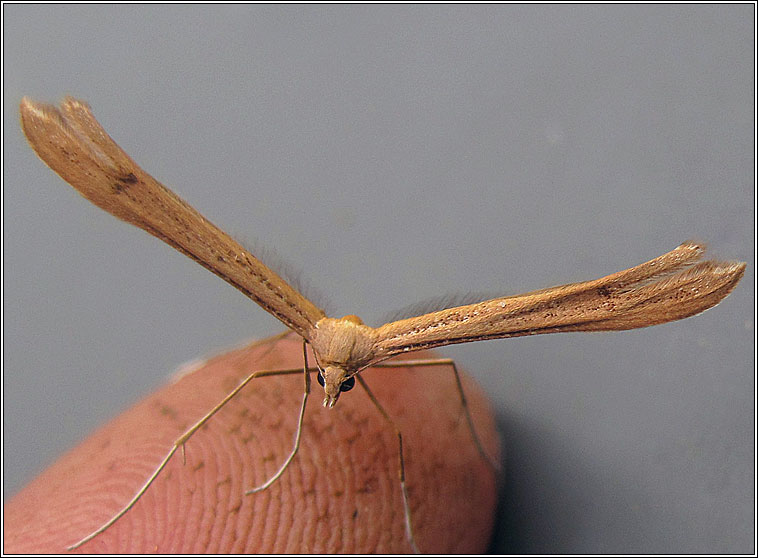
734, 269
719, 276
691, 244
30, 108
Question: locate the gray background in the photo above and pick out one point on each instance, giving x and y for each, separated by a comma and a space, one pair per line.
394, 154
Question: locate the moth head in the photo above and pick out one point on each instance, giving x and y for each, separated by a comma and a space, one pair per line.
334, 380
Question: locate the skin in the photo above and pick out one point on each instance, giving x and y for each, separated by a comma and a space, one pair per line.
341, 494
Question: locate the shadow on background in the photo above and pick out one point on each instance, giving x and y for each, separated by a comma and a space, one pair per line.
545, 505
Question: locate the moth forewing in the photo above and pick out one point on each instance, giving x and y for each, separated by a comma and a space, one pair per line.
670, 287
73, 144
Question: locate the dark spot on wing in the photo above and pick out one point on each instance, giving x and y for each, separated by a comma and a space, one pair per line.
604, 291
123, 182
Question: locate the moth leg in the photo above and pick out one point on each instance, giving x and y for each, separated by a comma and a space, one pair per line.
298, 433
179, 443
494, 465
401, 470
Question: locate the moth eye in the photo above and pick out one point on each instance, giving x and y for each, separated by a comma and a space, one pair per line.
320, 379
348, 384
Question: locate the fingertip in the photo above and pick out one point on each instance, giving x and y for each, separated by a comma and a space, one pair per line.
341, 493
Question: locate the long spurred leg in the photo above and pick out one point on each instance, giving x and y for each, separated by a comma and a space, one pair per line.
179, 443
464, 402
298, 433
401, 470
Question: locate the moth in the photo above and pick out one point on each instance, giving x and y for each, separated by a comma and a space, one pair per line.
673, 286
